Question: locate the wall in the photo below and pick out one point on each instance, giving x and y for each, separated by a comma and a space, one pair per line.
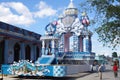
74, 69
10, 56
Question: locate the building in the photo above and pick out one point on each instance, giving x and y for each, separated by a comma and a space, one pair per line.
18, 44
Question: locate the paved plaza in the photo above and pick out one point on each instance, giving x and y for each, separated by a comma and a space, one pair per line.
107, 75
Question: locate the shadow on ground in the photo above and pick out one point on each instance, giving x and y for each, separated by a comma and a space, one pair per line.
43, 78
70, 77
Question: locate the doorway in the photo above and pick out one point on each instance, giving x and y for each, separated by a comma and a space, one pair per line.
37, 52
1, 52
16, 52
27, 52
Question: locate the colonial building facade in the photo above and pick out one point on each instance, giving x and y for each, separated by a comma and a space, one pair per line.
18, 44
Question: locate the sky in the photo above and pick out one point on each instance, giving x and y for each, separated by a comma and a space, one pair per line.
34, 15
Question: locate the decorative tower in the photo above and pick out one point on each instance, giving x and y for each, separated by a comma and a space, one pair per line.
49, 42
69, 25
87, 34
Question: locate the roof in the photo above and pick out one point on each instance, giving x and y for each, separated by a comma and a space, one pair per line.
11, 31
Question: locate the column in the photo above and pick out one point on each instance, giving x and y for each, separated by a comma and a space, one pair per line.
53, 47
6, 51
22, 54
43, 47
81, 43
56, 46
66, 44
40, 51
46, 48
33, 52
90, 44
87, 43
61, 44
75, 43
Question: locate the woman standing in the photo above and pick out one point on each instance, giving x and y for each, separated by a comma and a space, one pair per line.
115, 69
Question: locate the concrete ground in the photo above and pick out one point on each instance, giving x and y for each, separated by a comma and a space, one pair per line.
107, 75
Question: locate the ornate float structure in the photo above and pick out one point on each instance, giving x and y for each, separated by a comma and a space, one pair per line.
66, 48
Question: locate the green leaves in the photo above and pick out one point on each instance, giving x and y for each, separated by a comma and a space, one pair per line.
109, 29
114, 54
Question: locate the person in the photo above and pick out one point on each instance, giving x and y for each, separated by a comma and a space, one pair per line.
117, 61
115, 69
100, 69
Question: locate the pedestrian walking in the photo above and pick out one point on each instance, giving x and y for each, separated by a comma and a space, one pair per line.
115, 69
100, 69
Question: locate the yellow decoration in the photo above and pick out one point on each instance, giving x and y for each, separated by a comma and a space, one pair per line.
83, 13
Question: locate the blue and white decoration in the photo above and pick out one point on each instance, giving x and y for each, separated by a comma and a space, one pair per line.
56, 47
59, 71
27, 68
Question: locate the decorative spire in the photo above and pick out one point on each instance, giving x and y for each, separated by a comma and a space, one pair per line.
71, 5
71, 9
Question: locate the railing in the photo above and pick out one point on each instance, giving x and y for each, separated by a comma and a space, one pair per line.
75, 55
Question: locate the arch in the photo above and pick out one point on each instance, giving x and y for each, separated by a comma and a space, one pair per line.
67, 42
16, 52
70, 43
27, 52
1, 52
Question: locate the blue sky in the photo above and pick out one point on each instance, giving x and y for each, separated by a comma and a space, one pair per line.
34, 15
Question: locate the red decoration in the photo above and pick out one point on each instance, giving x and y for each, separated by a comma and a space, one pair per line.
85, 21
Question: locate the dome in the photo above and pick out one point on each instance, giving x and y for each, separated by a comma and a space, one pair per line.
71, 9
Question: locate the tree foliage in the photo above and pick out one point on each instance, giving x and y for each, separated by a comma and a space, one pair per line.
109, 18
114, 54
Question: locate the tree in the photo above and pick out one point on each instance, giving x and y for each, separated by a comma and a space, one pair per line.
114, 54
108, 17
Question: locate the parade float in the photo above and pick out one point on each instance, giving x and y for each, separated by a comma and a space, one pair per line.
66, 48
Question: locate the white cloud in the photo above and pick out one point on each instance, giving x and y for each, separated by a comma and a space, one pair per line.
44, 10
15, 13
